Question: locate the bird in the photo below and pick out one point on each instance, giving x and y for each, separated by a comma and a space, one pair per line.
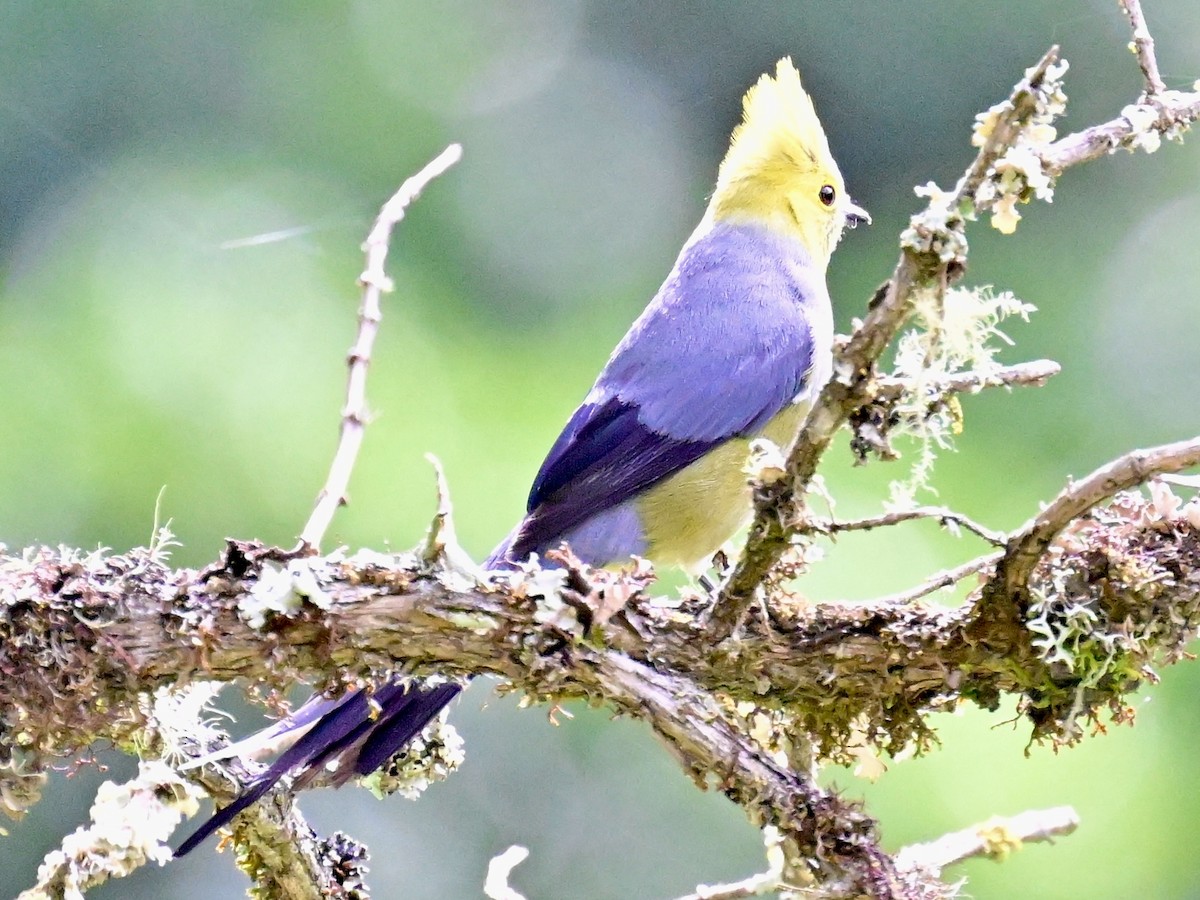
733, 347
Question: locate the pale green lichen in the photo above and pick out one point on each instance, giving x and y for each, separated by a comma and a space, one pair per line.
959, 331
178, 720
1019, 175
162, 541
1070, 637
477, 622
433, 755
1118, 599
130, 826
1064, 629
545, 588
765, 464
283, 592
938, 229
772, 729
1142, 118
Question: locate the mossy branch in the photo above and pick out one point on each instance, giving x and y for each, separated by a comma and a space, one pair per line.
86, 638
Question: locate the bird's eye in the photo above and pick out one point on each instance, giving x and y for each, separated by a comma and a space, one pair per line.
827, 194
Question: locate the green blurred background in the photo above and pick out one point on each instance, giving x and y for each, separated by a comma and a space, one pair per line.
146, 343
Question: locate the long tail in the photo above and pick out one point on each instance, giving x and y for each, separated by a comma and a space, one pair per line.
360, 734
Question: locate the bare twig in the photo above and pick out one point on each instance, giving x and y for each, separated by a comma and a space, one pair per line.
277, 849
944, 579
939, 513
375, 283
996, 838
1142, 46
1029, 543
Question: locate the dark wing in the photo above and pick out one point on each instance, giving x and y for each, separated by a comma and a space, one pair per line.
604, 456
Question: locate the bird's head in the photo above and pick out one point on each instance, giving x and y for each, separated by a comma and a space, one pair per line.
779, 171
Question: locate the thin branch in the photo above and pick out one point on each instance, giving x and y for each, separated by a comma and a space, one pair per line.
1142, 46
699, 734
375, 283
1171, 114
996, 838
1036, 373
939, 513
275, 846
944, 579
294, 862
1030, 542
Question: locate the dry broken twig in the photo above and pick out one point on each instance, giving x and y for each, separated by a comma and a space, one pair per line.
946, 517
375, 283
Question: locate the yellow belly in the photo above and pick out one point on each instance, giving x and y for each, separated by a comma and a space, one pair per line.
688, 516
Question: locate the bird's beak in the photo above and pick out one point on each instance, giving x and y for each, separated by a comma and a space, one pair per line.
856, 215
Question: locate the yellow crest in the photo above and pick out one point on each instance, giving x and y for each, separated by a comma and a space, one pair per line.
778, 118
779, 169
